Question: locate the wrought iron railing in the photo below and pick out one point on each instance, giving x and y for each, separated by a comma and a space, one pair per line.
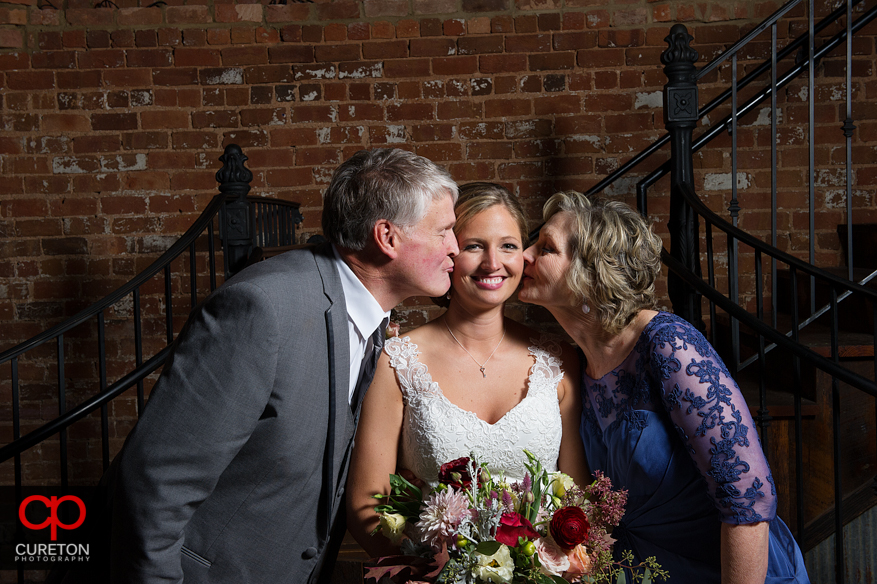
239, 221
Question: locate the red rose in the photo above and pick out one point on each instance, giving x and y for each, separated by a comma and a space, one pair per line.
456, 473
569, 527
512, 525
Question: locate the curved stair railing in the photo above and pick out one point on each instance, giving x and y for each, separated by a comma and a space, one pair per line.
238, 221
825, 357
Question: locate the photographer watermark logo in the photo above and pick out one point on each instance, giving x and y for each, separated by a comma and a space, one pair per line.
51, 552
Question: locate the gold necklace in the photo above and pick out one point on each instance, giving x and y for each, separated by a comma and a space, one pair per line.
480, 365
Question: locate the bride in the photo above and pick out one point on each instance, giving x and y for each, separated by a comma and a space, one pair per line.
469, 381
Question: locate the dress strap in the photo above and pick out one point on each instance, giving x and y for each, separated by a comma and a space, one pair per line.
547, 371
413, 375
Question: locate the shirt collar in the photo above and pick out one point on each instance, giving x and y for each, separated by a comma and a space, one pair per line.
362, 308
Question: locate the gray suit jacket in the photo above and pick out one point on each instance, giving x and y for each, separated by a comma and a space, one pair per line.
236, 470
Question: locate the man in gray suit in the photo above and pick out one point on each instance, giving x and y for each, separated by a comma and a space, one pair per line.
236, 470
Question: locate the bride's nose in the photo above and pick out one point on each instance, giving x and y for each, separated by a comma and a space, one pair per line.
490, 261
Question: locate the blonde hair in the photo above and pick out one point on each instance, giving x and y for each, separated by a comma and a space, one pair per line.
616, 257
476, 197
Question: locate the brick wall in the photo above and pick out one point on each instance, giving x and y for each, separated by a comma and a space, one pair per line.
113, 120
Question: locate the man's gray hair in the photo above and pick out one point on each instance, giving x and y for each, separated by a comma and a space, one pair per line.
385, 183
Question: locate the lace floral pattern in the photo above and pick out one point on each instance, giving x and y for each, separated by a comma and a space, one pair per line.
675, 372
435, 431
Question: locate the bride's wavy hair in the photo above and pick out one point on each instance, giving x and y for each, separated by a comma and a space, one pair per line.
616, 257
476, 197
384, 183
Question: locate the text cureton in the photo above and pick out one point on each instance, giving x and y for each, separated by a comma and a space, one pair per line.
52, 549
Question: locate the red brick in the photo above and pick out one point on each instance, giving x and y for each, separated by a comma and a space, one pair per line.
268, 74
30, 80
122, 38
139, 16
395, 68
44, 18
267, 35
65, 123
54, 60
457, 110
85, 144
361, 112
441, 152
14, 61
502, 63
621, 38
455, 65
600, 58
358, 31
74, 39
382, 30
529, 43
482, 130
552, 61
573, 21
263, 117
144, 140
244, 56
289, 177
313, 113
480, 45
195, 140
566, 41
89, 16
286, 13
329, 53
187, 15
335, 32
196, 57
454, 27
563, 104
114, 121
489, 151
164, 120
291, 54
215, 119
101, 59
287, 137
485, 5
397, 49
216, 36
376, 8
338, 11
77, 79
410, 111
432, 46
175, 76
495, 108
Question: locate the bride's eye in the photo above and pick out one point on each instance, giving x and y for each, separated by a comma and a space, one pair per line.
472, 246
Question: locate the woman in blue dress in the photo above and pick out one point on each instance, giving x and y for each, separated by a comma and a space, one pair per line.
661, 415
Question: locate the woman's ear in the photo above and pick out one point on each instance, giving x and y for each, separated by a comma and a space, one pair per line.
387, 238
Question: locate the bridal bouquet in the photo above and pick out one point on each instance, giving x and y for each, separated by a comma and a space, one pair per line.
477, 528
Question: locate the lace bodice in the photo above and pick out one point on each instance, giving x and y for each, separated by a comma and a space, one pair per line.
674, 376
435, 431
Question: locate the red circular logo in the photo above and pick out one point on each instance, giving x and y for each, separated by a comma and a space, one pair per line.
51, 504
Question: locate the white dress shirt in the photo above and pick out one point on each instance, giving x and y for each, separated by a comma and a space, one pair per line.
364, 314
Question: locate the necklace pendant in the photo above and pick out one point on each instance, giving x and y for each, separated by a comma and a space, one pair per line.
483, 374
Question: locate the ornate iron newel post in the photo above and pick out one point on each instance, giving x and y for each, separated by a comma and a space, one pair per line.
680, 118
235, 229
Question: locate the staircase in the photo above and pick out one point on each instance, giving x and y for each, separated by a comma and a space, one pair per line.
800, 338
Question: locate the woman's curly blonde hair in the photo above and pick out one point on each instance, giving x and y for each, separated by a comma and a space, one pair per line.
616, 257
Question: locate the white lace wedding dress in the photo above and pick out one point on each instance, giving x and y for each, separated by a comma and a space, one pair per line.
435, 431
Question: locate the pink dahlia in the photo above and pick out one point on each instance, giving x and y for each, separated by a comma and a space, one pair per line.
445, 511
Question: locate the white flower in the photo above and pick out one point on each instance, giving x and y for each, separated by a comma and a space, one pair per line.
498, 568
392, 526
553, 559
560, 483
444, 512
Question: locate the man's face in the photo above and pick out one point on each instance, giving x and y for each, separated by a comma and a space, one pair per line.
425, 258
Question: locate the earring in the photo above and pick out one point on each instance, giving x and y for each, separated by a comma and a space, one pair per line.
585, 308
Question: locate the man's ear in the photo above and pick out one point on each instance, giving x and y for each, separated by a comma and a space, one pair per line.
387, 238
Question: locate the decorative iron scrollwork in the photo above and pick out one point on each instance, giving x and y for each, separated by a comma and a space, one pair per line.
233, 169
679, 49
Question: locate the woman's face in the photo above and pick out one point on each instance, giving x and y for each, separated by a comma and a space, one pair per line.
488, 268
547, 262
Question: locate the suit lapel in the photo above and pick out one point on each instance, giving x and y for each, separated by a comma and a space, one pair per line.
341, 418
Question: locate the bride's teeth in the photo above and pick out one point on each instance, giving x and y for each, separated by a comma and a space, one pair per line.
490, 280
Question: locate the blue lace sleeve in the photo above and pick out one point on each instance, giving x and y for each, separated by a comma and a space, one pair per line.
712, 419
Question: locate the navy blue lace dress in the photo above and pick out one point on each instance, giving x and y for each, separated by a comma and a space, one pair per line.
670, 426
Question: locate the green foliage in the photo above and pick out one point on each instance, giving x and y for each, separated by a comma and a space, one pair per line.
404, 499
